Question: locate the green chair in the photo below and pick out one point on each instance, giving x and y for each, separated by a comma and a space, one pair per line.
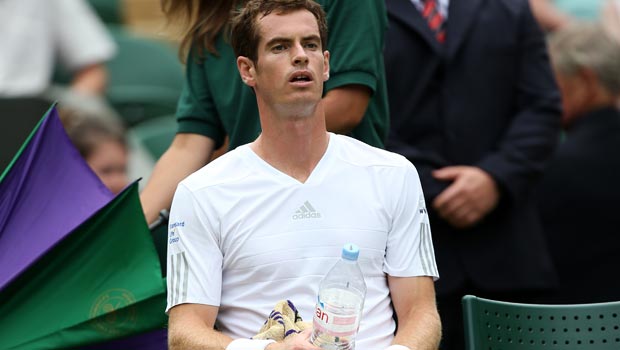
155, 134
145, 78
109, 11
498, 325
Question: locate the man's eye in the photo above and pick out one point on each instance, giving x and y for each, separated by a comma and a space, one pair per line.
312, 45
278, 48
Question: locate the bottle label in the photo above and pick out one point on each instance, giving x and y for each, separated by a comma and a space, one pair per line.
333, 323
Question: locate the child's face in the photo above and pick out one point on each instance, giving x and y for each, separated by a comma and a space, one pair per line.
109, 162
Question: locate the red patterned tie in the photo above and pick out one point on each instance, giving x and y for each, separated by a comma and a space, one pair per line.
435, 19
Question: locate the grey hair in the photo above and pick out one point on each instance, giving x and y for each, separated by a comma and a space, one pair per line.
586, 45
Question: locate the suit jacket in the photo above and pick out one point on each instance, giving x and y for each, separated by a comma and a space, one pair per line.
487, 98
579, 201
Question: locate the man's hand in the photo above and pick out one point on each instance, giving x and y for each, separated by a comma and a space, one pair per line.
472, 195
299, 341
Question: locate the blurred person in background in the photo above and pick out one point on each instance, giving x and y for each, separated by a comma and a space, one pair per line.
38, 39
102, 143
36, 36
580, 195
548, 15
215, 103
555, 14
610, 19
475, 108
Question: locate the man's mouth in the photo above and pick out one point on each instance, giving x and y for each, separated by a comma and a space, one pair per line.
301, 77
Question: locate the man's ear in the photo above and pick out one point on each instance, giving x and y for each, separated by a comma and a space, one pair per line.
589, 77
246, 70
325, 65
590, 83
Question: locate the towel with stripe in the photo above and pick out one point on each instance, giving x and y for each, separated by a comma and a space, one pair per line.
282, 322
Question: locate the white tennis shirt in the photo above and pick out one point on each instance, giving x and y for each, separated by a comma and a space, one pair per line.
244, 235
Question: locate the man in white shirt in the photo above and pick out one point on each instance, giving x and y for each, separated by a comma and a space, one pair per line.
266, 221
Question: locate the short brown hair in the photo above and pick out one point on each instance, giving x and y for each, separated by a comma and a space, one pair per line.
87, 131
245, 35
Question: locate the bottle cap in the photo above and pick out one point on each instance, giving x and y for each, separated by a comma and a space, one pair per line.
350, 251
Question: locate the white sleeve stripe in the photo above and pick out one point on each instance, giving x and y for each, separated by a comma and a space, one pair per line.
185, 278
425, 244
426, 253
422, 250
173, 276
432, 249
178, 281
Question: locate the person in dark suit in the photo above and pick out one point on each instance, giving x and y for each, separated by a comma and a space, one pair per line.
580, 195
475, 107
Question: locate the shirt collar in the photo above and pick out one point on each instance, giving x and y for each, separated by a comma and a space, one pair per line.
443, 6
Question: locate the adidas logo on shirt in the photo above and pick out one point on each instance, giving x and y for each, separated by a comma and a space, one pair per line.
306, 211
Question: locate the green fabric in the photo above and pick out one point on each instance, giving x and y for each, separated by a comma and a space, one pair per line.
582, 9
148, 314
109, 11
216, 103
102, 282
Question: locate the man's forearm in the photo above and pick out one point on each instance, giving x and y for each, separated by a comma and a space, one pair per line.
421, 330
159, 190
188, 153
207, 339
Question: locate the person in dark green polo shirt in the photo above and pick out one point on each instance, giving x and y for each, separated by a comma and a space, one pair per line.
215, 103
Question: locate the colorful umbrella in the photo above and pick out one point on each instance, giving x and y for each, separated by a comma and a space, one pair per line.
77, 265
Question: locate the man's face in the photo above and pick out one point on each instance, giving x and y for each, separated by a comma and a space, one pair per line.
291, 65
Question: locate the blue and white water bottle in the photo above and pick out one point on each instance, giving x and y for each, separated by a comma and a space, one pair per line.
340, 303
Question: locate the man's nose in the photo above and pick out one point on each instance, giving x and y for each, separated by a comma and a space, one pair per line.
299, 54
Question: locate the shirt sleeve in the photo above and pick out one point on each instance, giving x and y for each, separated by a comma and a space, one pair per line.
196, 110
81, 37
410, 247
194, 266
355, 55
